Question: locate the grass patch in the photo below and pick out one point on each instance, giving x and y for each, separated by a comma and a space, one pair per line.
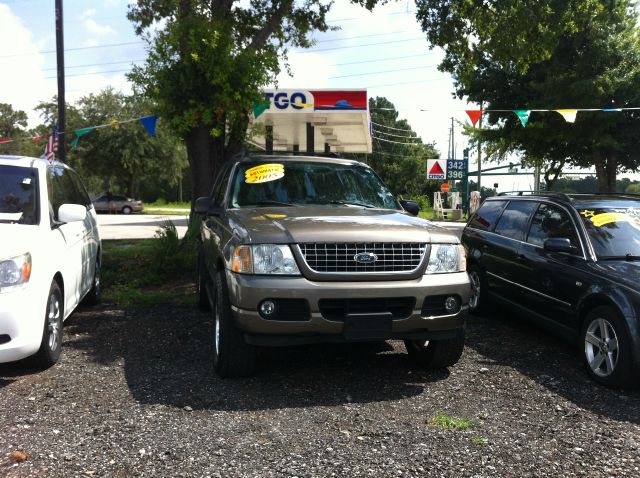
162, 207
479, 441
446, 422
146, 272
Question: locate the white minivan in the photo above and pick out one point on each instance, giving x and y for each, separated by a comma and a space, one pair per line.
50, 254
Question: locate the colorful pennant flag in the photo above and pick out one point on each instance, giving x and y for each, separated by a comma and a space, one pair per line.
149, 123
260, 108
568, 115
523, 116
474, 116
612, 110
79, 133
114, 123
5, 140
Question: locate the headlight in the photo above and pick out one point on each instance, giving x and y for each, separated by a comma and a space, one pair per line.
15, 271
264, 259
447, 258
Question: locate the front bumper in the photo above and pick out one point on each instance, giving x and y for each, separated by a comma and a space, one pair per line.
21, 323
246, 292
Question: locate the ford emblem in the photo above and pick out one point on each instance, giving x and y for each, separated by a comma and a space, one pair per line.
365, 257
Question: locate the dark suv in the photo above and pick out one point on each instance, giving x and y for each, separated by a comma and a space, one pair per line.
303, 249
569, 261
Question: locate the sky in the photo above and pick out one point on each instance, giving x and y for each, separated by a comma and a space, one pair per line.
384, 52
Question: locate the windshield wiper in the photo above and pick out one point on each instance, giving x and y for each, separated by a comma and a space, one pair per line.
348, 203
626, 257
269, 203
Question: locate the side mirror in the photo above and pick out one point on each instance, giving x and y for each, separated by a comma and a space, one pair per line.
72, 213
206, 206
410, 206
559, 244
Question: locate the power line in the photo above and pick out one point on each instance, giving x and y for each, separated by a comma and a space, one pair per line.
389, 127
427, 80
395, 135
383, 71
97, 64
359, 46
376, 60
106, 45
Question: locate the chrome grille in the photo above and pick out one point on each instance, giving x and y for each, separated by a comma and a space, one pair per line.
339, 257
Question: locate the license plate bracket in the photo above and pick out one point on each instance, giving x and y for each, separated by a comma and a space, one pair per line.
368, 326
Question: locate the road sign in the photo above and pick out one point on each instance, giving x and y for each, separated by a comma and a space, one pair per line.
444, 187
456, 169
436, 169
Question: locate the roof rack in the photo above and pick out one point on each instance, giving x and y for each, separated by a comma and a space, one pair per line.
633, 195
533, 193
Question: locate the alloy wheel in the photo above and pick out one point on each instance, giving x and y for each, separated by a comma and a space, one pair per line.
474, 299
601, 347
53, 322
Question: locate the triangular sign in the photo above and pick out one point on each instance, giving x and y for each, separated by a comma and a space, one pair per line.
474, 116
436, 169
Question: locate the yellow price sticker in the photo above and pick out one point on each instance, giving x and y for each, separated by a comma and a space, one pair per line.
600, 220
264, 173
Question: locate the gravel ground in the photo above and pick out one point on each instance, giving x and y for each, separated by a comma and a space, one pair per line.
134, 395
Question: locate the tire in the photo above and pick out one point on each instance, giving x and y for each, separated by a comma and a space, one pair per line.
232, 356
606, 348
95, 293
126, 210
435, 354
51, 344
478, 299
202, 282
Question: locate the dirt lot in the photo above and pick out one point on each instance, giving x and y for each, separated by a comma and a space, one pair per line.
134, 395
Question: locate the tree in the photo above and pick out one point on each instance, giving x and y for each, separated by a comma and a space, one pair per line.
208, 63
13, 125
399, 155
546, 54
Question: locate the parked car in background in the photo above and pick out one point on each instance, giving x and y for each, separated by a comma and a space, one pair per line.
571, 262
50, 255
115, 203
298, 250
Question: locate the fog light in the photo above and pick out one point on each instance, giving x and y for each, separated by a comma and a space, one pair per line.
268, 309
452, 304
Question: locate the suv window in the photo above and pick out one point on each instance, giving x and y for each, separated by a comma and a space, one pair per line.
485, 218
221, 187
515, 219
309, 183
550, 221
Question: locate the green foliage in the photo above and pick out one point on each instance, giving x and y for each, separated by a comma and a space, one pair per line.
479, 441
633, 188
149, 272
446, 422
546, 54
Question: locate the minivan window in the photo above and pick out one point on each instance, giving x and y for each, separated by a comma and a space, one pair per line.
515, 219
19, 195
550, 221
485, 218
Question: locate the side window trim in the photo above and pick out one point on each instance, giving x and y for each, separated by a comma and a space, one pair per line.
576, 229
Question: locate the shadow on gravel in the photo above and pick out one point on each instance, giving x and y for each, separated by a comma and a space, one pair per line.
166, 358
507, 339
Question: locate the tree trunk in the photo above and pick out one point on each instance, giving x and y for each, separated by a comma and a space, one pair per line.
606, 169
204, 156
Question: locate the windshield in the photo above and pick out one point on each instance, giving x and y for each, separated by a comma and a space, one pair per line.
613, 226
291, 183
18, 195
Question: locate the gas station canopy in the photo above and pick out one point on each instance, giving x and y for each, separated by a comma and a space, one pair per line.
313, 121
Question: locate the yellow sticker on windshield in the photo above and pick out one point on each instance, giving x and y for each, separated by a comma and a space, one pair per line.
276, 216
600, 220
264, 173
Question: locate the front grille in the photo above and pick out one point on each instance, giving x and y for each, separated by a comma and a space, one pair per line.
339, 257
337, 309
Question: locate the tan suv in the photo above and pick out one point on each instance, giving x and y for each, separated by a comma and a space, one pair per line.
300, 250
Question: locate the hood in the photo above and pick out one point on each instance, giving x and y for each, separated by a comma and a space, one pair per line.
622, 272
334, 224
16, 239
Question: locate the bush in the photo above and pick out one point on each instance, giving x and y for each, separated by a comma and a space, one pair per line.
172, 256
423, 202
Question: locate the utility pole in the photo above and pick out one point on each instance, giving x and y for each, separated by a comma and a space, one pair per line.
62, 151
480, 154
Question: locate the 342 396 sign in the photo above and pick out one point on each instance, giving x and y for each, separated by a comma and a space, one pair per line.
456, 169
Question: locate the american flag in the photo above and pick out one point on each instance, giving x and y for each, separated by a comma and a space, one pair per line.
51, 147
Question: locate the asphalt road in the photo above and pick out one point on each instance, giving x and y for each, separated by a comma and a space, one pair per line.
137, 226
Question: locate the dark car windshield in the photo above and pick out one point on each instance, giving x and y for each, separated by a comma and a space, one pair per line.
293, 183
18, 195
613, 226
